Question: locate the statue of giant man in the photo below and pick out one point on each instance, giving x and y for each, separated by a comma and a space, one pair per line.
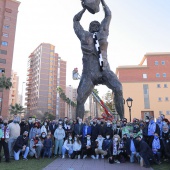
96, 69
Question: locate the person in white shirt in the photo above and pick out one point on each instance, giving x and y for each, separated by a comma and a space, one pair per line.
43, 128
67, 146
99, 149
76, 148
13, 135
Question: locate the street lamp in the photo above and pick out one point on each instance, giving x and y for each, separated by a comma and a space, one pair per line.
129, 104
22, 94
70, 95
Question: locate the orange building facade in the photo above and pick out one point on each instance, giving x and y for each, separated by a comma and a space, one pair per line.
148, 84
46, 70
8, 20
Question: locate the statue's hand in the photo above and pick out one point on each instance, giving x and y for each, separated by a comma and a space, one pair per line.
78, 16
82, 3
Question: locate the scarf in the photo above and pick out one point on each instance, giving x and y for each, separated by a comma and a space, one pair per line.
97, 46
115, 151
155, 145
151, 129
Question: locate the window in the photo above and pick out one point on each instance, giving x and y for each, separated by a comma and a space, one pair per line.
3, 52
164, 74
156, 63
145, 76
7, 18
8, 10
168, 112
157, 75
159, 99
160, 112
6, 26
146, 96
163, 62
165, 86
158, 86
2, 70
4, 43
166, 99
5, 34
2, 61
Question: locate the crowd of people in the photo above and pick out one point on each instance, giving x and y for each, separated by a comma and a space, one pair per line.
141, 141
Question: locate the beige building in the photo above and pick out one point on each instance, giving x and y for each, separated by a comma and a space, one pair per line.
46, 71
148, 84
8, 21
71, 93
13, 95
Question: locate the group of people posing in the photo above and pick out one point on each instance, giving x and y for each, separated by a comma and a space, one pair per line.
141, 141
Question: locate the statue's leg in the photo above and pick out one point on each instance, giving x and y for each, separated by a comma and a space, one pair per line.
84, 90
112, 82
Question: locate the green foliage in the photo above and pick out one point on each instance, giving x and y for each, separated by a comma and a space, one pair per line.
5, 83
65, 98
48, 115
17, 108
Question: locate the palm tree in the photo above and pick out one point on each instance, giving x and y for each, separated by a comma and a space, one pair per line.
17, 108
65, 98
5, 83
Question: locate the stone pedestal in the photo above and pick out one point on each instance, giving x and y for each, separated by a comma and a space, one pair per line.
91, 5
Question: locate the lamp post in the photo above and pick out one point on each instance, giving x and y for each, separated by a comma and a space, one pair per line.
129, 104
22, 94
70, 91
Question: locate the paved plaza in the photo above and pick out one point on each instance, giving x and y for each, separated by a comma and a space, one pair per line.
90, 164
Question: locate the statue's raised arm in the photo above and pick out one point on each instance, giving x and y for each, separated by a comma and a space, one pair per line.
108, 15
77, 26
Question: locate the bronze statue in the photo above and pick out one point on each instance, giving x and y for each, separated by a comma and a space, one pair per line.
96, 69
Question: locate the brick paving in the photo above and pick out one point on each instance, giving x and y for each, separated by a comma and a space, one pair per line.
90, 164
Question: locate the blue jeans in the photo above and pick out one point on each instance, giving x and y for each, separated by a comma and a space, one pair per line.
58, 145
16, 154
64, 150
133, 155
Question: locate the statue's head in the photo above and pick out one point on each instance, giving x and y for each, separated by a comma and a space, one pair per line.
94, 26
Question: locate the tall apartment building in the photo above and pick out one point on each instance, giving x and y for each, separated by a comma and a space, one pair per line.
148, 84
46, 71
13, 95
8, 20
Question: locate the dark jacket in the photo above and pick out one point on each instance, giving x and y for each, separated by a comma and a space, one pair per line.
93, 144
102, 129
23, 127
20, 142
95, 132
109, 131
52, 128
144, 149
107, 143
128, 145
78, 129
48, 143
118, 131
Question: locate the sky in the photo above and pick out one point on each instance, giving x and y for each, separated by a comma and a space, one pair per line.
137, 27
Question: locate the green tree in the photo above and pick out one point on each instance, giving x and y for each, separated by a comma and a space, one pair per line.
5, 83
109, 100
65, 98
17, 108
96, 102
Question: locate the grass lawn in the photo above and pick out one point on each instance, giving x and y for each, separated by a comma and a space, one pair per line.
31, 164
163, 166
